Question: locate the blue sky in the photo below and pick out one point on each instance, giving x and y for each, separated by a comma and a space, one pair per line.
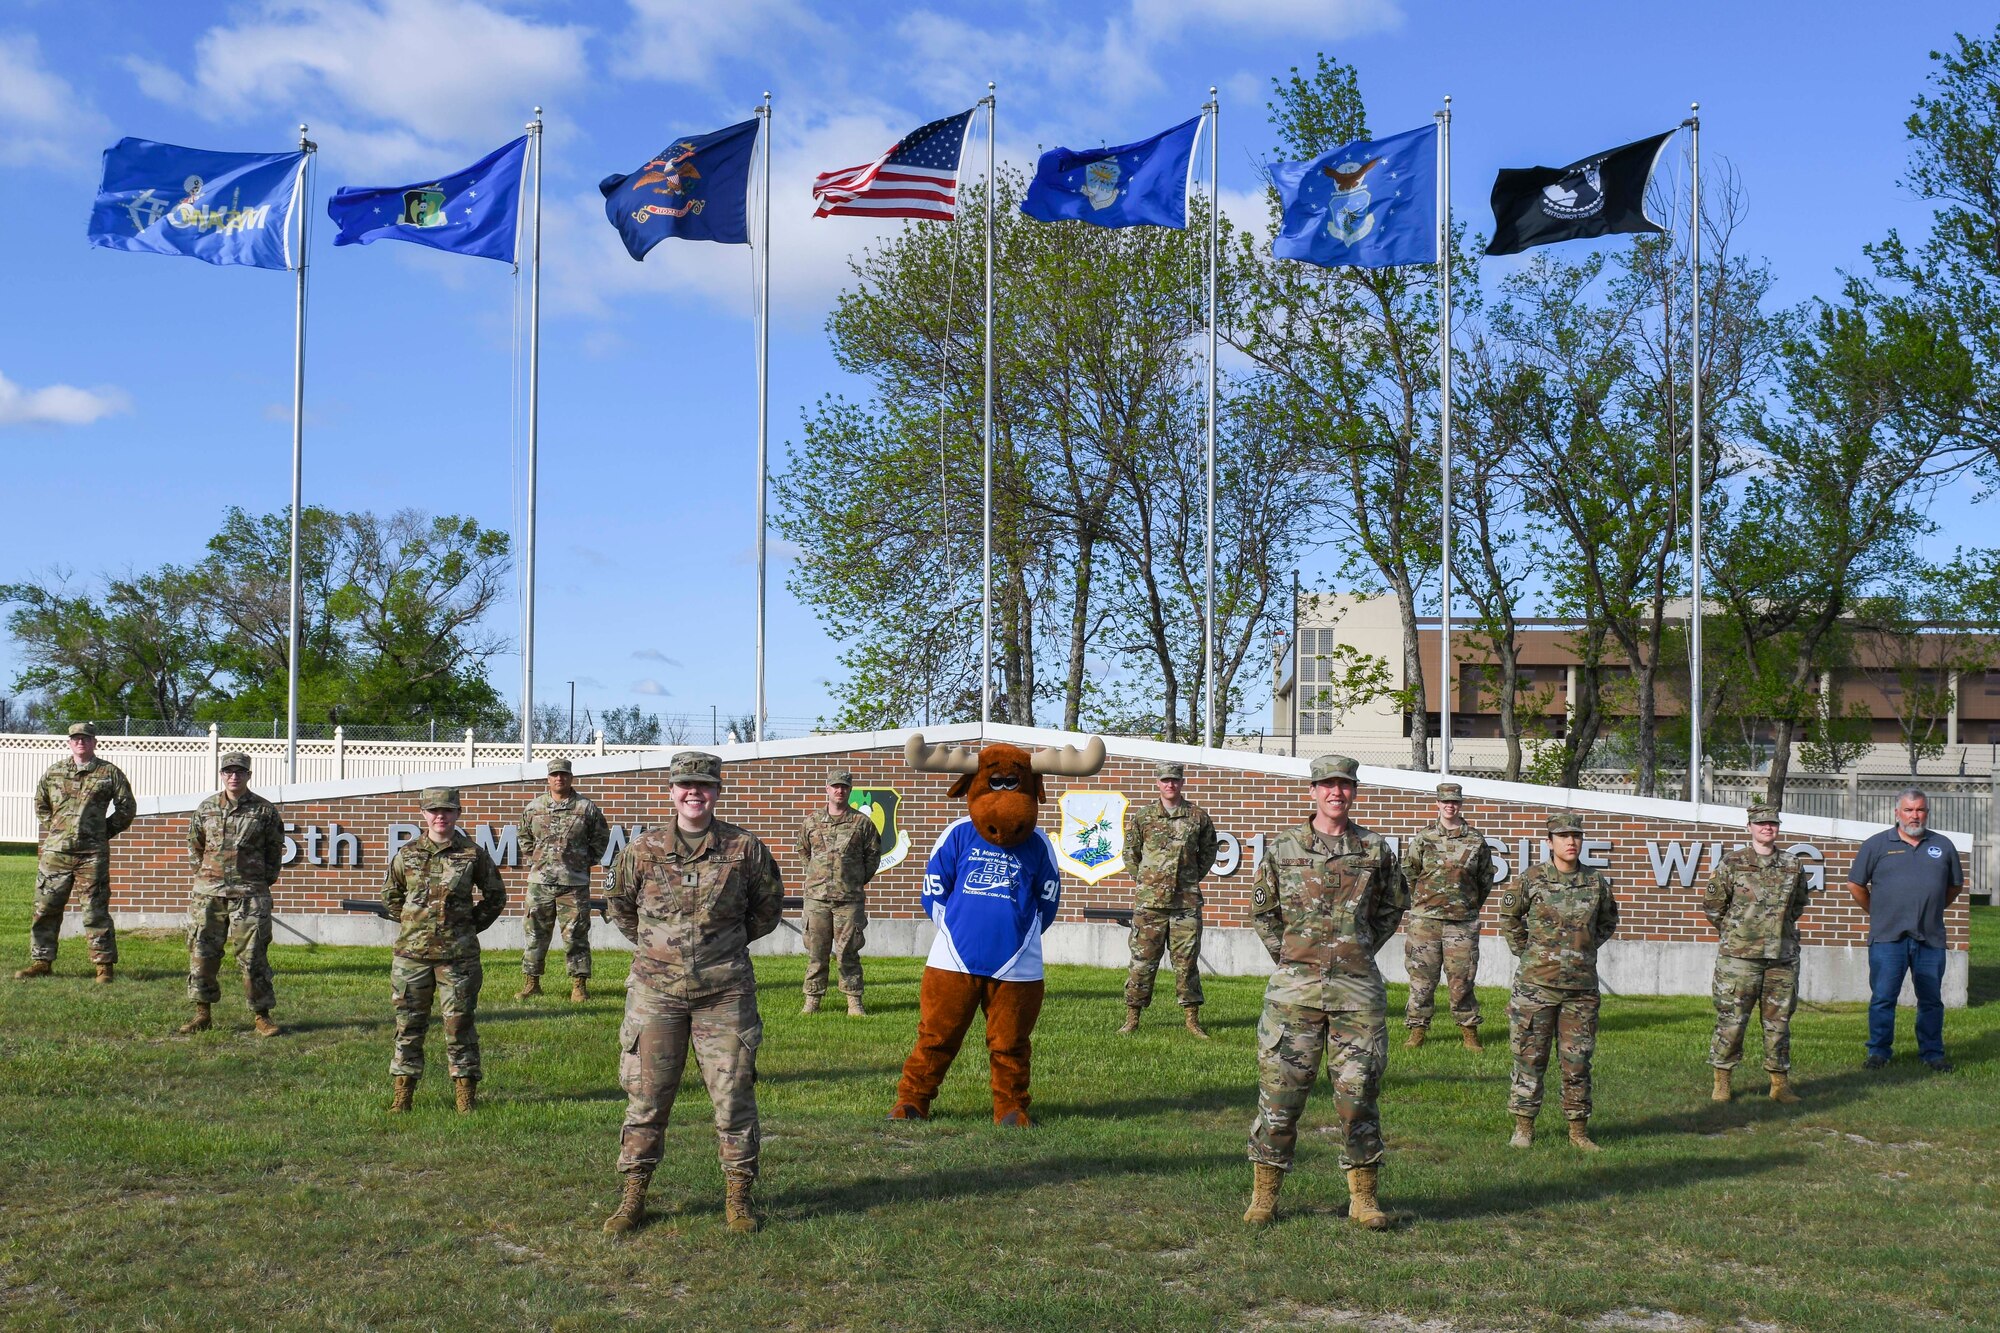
141, 395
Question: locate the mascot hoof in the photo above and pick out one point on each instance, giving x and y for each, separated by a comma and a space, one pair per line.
908, 1111
1015, 1120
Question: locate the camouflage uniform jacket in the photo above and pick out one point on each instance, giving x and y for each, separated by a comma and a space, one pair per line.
691, 917
841, 853
444, 894
1168, 853
70, 801
1324, 907
562, 840
1555, 923
1755, 903
236, 846
1450, 874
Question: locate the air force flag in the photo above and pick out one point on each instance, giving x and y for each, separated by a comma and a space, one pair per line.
1369, 204
696, 189
1135, 184
476, 211
223, 208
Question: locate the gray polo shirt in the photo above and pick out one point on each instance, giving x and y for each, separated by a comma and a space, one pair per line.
1907, 886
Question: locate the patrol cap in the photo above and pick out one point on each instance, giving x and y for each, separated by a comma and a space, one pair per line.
1450, 791
439, 798
560, 766
83, 729
1166, 770
235, 759
1762, 813
1565, 821
1330, 766
693, 767
839, 777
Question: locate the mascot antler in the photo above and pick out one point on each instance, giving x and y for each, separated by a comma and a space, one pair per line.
1070, 762
941, 758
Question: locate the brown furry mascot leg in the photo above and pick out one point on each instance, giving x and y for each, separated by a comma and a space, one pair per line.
1011, 1010
946, 1004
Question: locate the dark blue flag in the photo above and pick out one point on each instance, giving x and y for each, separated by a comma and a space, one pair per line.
476, 211
697, 189
225, 208
1133, 185
1368, 204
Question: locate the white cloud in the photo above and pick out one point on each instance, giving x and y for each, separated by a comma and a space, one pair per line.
42, 118
650, 686
58, 404
683, 41
1322, 19
654, 655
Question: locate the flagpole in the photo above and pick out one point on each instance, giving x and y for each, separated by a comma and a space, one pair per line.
1214, 110
1444, 430
986, 518
763, 409
534, 385
293, 603
1693, 123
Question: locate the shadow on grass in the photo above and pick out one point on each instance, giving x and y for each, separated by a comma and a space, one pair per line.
1982, 983
1000, 1179
1602, 1180
1752, 1107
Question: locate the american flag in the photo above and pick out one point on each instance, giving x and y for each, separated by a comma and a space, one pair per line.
916, 178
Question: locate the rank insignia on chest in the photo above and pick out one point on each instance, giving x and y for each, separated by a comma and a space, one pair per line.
690, 878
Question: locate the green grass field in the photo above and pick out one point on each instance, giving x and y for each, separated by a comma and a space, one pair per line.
154, 1181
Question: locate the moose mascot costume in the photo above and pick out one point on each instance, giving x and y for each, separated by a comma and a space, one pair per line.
992, 887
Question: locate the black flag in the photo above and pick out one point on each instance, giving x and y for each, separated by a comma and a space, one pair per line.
1598, 196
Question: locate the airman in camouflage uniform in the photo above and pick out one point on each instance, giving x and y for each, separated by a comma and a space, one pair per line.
1328, 895
1169, 848
562, 836
444, 889
691, 897
1555, 916
83, 802
842, 850
236, 844
1754, 900
1449, 869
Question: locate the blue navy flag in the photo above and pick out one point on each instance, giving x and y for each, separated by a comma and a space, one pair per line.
224, 208
1368, 204
1132, 185
476, 211
697, 189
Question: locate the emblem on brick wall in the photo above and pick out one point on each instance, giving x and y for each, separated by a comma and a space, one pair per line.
1091, 845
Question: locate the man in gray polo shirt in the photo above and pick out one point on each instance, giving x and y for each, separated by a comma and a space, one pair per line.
1904, 877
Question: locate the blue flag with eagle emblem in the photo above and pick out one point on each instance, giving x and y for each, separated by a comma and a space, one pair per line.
1368, 204
697, 189
476, 211
1133, 185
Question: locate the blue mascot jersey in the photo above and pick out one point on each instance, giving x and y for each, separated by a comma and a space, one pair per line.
991, 904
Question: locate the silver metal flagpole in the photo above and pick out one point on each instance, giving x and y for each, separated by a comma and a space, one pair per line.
1693, 123
1210, 731
986, 520
294, 604
1444, 429
763, 407
534, 386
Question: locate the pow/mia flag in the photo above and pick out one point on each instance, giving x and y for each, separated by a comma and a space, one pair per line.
1600, 195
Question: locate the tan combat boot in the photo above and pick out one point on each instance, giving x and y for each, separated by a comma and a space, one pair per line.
1194, 1021
1361, 1204
104, 974
854, 1007
631, 1204
1721, 1092
1524, 1132
530, 988
737, 1212
264, 1025
579, 989
201, 1022
1416, 1038
811, 1006
41, 967
1579, 1136
1781, 1089
1132, 1012
1265, 1182
406, 1093
468, 1094
1468, 1037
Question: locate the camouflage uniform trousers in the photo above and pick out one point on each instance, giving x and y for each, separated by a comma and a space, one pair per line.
1453, 947
653, 1043
1744, 986
244, 924
414, 982
547, 902
1290, 1041
1172, 931
1541, 1016
55, 876
834, 930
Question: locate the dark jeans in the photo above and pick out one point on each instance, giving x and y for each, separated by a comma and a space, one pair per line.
1886, 965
